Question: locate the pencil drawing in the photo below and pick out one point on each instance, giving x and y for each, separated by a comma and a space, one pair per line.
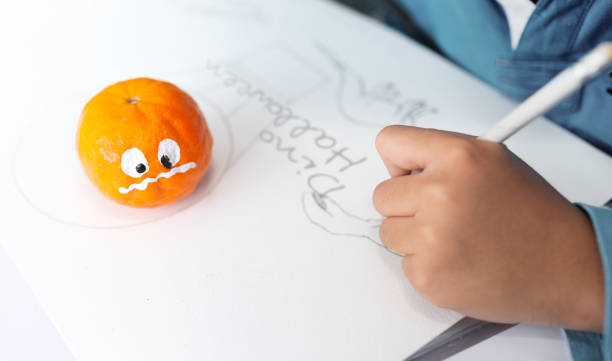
328, 215
286, 74
375, 106
240, 103
283, 134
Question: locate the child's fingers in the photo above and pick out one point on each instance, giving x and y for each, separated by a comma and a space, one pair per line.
398, 234
404, 148
398, 196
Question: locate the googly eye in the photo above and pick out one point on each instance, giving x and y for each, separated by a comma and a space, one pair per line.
134, 163
168, 153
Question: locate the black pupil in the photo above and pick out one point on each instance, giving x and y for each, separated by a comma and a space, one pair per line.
141, 168
165, 160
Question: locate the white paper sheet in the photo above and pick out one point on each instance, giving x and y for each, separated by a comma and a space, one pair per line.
276, 254
24, 322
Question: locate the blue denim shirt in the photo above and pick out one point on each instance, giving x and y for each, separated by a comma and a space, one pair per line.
475, 35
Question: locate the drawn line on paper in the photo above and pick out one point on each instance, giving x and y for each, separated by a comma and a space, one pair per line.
375, 106
307, 64
313, 202
321, 210
296, 126
305, 76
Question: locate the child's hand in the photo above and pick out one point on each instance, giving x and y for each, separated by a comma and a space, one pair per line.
484, 234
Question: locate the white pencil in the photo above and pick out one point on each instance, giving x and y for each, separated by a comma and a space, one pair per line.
551, 94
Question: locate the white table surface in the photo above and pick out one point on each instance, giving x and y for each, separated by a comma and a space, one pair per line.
27, 334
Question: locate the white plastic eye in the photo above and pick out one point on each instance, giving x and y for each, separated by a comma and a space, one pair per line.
168, 153
134, 163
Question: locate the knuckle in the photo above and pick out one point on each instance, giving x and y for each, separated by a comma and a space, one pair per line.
434, 240
437, 191
499, 152
383, 136
429, 233
463, 151
383, 232
428, 280
433, 274
379, 196
386, 195
421, 281
389, 236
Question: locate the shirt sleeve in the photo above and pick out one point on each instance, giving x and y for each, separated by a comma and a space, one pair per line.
589, 346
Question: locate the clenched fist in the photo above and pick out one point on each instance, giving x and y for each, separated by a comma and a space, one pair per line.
484, 234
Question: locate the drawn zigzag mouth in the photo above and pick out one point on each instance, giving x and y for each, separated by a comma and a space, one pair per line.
143, 185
